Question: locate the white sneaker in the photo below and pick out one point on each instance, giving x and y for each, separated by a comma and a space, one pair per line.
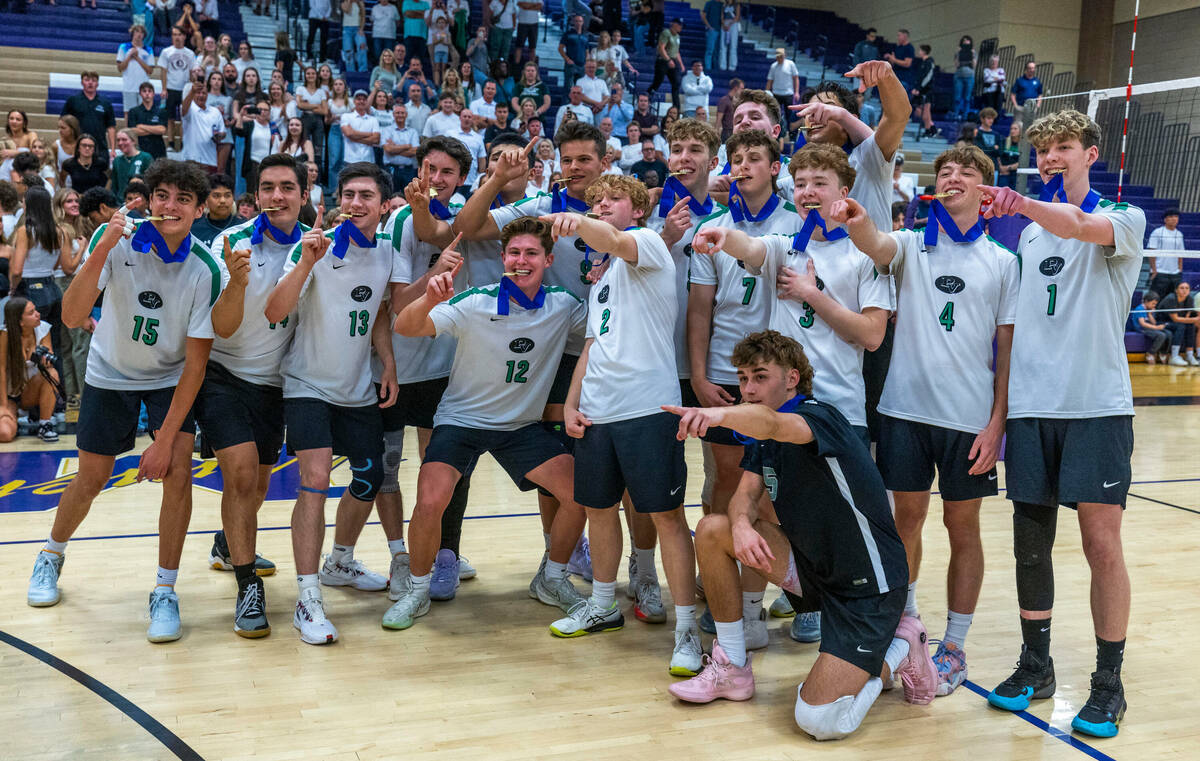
1191, 360
398, 575
541, 571
465, 569
631, 587
43, 582
561, 593
585, 617
164, 616
354, 574
310, 619
1177, 361
782, 607
406, 611
755, 631
688, 656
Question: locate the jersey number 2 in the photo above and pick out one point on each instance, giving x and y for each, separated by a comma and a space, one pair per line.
604, 316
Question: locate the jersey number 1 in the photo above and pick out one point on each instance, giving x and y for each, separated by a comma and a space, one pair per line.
1052, 289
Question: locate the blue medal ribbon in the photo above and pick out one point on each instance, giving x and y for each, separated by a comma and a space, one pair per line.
562, 201
811, 222
942, 218
1053, 190
740, 210
673, 190
438, 209
345, 234
148, 238
509, 290
791, 405
263, 225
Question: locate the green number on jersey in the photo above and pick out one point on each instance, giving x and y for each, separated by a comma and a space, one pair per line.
145, 330
772, 482
808, 318
604, 321
946, 319
360, 322
585, 266
1052, 289
516, 371
748, 284
282, 323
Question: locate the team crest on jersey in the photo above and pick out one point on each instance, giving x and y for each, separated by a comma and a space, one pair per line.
361, 293
433, 259
603, 297
950, 284
521, 345
820, 284
688, 250
1052, 265
150, 299
580, 245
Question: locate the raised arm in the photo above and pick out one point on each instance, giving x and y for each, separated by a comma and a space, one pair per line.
600, 236
1062, 219
736, 243
876, 244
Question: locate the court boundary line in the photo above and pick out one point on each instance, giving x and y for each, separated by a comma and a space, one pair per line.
1160, 502
1045, 726
156, 729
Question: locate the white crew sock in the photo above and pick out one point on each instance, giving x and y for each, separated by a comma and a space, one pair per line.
685, 618
896, 652
1191, 354
910, 606
396, 546
957, 625
165, 577
342, 554
555, 571
307, 581
645, 563
57, 548
1175, 351
732, 638
603, 592
546, 538
420, 584
752, 605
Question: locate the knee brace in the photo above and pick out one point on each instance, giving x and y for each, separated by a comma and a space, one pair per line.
393, 454
710, 473
833, 721
1034, 528
367, 476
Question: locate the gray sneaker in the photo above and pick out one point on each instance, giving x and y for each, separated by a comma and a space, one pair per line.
631, 587
406, 611
648, 604
560, 593
398, 575
541, 571
164, 616
806, 627
250, 616
43, 582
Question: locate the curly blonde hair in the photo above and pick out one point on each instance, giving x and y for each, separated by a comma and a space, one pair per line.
1063, 125
824, 157
620, 185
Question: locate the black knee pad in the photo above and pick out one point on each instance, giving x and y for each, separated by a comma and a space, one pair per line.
1034, 529
367, 478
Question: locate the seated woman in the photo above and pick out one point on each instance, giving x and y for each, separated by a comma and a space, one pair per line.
25, 354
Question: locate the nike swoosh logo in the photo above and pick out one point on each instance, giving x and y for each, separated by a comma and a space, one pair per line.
262, 264
493, 319
992, 477
1107, 485
338, 266
1045, 630
128, 264
677, 488
1031, 240
861, 650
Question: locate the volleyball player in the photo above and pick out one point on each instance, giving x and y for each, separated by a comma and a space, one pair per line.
150, 348
510, 338
755, 109
943, 407
1070, 421
835, 546
334, 283
240, 405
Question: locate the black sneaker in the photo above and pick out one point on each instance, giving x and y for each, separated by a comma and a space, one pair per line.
46, 431
1033, 680
1101, 715
250, 616
932, 132
218, 557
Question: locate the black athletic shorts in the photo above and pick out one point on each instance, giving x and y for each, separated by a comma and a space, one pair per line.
518, 452
562, 379
108, 419
174, 101
354, 432
1058, 461
233, 411
641, 455
909, 451
414, 405
716, 435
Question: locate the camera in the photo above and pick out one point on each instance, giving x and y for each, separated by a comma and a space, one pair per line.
42, 355
250, 110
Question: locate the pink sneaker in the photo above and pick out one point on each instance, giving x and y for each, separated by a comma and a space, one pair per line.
718, 678
917, 671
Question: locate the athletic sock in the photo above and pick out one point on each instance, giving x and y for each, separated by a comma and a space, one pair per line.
896, 652
1190, 355
910, 606
752, 605
645, 563
420, 584
57, 548
603, 592
1175, 351
1109, 655
685, 618
957, 625
166, 578
732, 637
546, 537
555, 571
342, 554
307, 581
244, 574
1036, 635
396, 546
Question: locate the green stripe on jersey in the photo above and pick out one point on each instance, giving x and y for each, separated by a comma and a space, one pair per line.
96, 237
530, 199
789, 206
560, 289
1001, 245
398, 222
492, 292
204, 255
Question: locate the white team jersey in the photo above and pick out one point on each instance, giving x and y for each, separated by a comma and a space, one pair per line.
848, 276
873, 183
1068, 356
631, 317
681, 254
571, 264
743, 302
422, 358
950, 300
784, 183
150, 310
256, 348
505, 364
330, 354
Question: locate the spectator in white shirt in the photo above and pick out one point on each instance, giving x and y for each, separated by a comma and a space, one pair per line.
529, 13
203, 125
1166, 271
400, 143
245, 60
593, 89
444, 121
606, 129
360, 129
903, 186
485, 107
383, 27
696, 87
783, 80
631, 152
576, 106
467, 135
135, 61
418, 112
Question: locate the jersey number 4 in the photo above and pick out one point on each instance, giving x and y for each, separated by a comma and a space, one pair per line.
516, 371
145, 329
946, 318
360, 322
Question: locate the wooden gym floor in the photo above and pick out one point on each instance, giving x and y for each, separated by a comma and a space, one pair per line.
480, 677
